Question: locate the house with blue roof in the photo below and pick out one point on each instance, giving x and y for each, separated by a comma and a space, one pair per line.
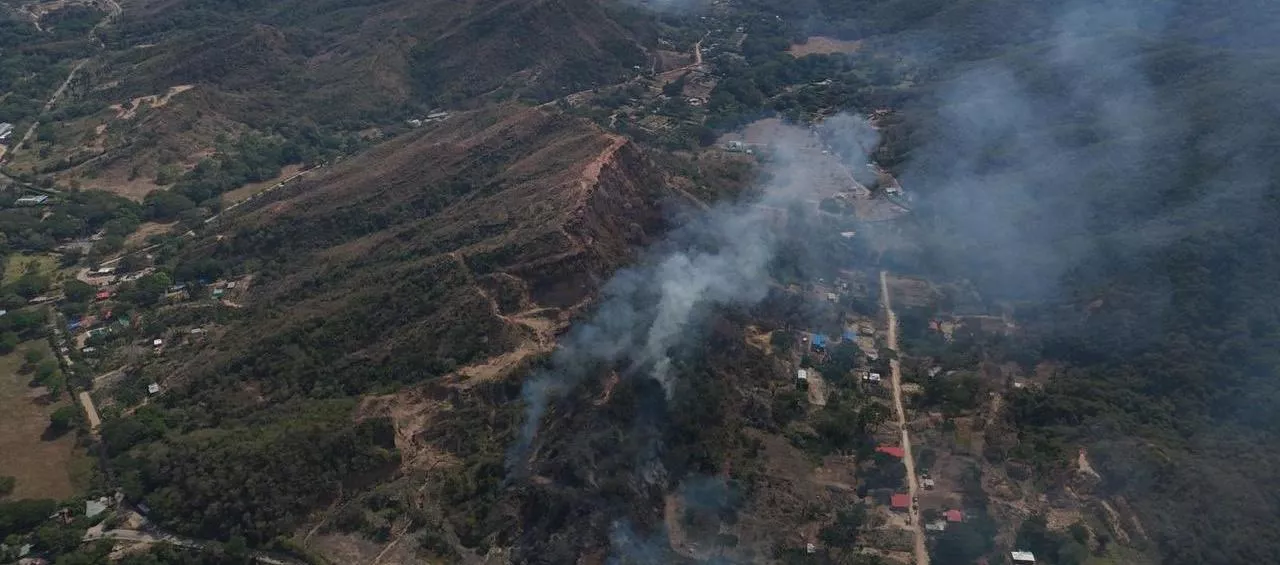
819, 342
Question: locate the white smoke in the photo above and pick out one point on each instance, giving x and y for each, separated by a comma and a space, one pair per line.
720, 257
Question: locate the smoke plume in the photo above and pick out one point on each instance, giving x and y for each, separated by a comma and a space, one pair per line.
1054, 156
720, 257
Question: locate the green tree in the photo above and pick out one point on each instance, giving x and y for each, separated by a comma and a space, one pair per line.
20, 516
31, 285
147, 290
168, 174
46, 369
33, 356
8, 342
78, 291
7, 484
64, 419
59, 538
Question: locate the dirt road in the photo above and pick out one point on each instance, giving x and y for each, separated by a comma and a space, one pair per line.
113, 11
90, 411
895, 369
264, 192
47, 105
137, 536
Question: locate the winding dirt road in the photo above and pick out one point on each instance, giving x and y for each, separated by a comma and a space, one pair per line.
895, 369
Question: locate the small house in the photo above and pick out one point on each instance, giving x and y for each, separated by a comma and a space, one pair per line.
953, 516
157, 342
820, 343
102, 295
802, 375
94, 507
833, 297
928, 483
32, 200
153, 388
848, 234
938, 526
873, 377
900, 502
1022, 558
892, 451
6, 129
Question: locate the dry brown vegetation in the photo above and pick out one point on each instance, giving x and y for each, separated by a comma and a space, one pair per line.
820, 45
43, 467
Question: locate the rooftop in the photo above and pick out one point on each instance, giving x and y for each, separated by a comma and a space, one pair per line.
954, 515
1022, 557
892, 450
900, 501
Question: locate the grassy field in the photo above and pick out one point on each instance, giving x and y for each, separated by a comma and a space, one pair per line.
17, 265
43, 468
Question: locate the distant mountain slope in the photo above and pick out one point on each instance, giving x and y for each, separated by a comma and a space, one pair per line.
304, 70
343, 60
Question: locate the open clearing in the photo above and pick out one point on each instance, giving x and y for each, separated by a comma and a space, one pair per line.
43, 469
819, 45
244, 192
128, 111
18, 264
138, 238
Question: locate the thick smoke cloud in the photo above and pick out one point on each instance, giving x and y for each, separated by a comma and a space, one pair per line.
672, 6
1014, 185
1054, 155
720, 257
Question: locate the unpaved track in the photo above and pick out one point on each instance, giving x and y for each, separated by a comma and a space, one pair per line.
895, 369
90, 412
113, 11
47, 105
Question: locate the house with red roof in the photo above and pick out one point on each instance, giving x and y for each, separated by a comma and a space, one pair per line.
900, 501
891, 450
954, 515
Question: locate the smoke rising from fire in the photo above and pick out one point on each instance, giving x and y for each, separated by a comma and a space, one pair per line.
719, 257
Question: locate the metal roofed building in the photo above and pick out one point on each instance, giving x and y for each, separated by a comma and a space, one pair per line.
1022, 558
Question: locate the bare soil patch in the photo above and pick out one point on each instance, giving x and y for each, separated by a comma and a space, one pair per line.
125, 112
821, 45
248, 190
146, 230
44, 468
